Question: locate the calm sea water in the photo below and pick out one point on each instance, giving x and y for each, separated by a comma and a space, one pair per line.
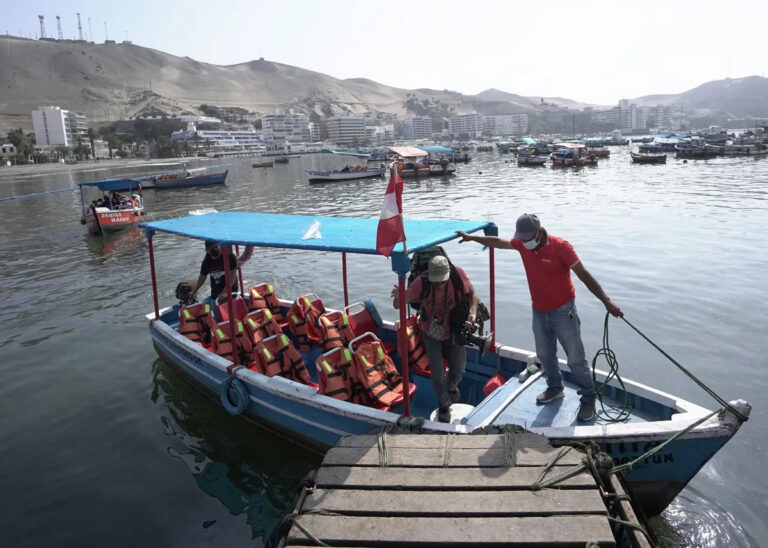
102, 443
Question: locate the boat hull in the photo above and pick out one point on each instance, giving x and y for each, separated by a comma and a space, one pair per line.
300, 414
112, 220
337, 176
178, 182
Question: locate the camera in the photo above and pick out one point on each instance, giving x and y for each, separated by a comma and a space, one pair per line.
468, 336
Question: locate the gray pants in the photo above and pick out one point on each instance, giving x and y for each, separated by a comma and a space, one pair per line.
456, 354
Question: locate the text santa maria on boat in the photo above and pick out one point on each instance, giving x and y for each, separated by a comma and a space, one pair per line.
118, 204
315, 371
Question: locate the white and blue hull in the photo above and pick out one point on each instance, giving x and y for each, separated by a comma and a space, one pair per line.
299, 413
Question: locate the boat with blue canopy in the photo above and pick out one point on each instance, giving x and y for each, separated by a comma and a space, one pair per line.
120, 204
658, 445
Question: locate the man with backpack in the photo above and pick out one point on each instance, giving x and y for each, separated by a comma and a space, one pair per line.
548, 261
447, 307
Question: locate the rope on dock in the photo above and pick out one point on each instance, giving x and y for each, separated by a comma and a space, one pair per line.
381, 442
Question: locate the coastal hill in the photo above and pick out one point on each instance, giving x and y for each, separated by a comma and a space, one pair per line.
114, 81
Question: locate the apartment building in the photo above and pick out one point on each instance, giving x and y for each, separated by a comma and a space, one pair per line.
282, 128
470, 125
55, 126
506, 125
346, 130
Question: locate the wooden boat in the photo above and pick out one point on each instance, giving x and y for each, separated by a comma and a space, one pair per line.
531, 160
121, 205
572, 155
411, 162
648, 157
692, 151
440, 167
691, 434
347, 174
281, 159
271, 163
183, 179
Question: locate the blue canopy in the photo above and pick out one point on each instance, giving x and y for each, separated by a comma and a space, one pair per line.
339, 234
112, 184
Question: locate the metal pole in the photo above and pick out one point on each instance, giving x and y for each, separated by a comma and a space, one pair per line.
240, 271
152, 273
493, 298
344, 277
402, 341
225, 252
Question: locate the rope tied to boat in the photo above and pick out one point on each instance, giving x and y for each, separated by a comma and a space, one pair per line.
540, 483
627, 467
381, 443
293, 518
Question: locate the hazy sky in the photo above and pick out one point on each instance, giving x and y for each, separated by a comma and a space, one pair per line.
592, 51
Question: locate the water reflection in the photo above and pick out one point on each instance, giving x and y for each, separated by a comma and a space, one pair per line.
126, 241
250, 472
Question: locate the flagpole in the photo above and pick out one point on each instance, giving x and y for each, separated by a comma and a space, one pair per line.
402, 342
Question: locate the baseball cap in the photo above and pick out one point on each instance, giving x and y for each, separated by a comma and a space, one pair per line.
439, 270
527, 225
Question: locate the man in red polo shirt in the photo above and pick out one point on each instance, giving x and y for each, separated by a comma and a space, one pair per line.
548, 261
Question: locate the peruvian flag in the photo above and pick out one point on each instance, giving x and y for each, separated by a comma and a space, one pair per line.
391, 229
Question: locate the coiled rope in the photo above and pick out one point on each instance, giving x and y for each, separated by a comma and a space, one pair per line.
621, 412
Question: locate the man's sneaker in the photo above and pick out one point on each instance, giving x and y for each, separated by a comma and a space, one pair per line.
550, 394
444, 414
586, 411
455, 396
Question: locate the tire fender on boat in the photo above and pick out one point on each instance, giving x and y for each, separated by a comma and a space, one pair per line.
233, 395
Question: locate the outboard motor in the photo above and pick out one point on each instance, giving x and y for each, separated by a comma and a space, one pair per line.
184, 292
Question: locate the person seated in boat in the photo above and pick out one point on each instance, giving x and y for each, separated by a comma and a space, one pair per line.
213, 266
548, 261
448, 306
345, 169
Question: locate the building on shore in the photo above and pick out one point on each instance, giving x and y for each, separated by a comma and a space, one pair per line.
206, 140
466, 125
55, 126
346, 130
505, 125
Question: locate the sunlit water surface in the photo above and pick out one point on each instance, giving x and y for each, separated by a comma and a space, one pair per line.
104, 444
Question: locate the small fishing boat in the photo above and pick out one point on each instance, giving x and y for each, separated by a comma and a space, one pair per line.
411, 162
310, 394
271, 163
281, 159
120, 205
531, 160
692, 151
440, 166
572, 155
349, 173
183, 179
648, 157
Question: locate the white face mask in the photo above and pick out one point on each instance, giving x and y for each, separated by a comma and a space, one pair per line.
531, 244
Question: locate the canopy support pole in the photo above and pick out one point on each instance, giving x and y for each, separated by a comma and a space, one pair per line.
240, 271
493, 298
152, 274
225, 251
344, 277
402, 340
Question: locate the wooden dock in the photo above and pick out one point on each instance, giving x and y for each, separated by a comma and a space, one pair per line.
458, 490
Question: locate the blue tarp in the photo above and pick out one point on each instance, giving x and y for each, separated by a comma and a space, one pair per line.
347, 234
436, 149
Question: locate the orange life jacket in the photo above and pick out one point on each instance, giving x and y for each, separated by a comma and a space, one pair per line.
259, 325
222, 343
195, 322
336, 374
276, 355
417, 352
263, 296
377, 373
302, 321
335, 330
238, 308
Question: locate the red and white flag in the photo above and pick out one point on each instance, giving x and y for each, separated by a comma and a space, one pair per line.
391, 229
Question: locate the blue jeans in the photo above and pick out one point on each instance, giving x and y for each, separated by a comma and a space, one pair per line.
562, 324
443, 383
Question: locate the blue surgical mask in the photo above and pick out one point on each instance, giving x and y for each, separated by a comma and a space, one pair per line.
531, 244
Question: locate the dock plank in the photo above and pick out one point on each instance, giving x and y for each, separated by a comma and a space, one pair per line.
527, 440
467, 531
439, 479
446, 456
456, 503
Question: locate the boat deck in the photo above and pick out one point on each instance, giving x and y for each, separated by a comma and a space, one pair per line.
433, 490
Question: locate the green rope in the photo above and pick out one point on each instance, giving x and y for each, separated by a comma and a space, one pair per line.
635, 526
556, 456
708, 390
381, 442
629, 465
510, 452
609, 412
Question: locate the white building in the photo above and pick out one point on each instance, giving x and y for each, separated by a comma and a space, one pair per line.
346, 130
219, 140
55, 126
282, 128
506, 125
466, 124
7, 151
663, 117
632, 117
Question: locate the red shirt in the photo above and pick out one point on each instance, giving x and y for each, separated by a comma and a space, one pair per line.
549, 272
442, 303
